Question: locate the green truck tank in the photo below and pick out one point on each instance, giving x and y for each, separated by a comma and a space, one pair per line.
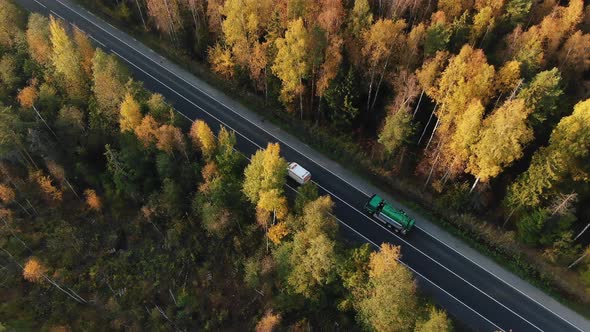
388, 215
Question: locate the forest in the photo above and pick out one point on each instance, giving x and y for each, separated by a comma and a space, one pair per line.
118, 214
478, 109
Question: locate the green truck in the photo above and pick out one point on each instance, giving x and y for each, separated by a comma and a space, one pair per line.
388, 215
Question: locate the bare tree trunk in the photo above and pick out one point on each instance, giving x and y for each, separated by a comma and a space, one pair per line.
508, 217
31, 205
379, 83
582, 232
171, 23
319, 115
301, 98
418, 105
24, 151
172, 296
563, 205
402, 155
23, 208
579, 259
370, 89
72, 188
45, 122
427, 124
15, 236
474, 184
432, 168
141, 14
265, 87
446, 176
432, 135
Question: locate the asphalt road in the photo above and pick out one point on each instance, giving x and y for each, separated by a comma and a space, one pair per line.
473, 295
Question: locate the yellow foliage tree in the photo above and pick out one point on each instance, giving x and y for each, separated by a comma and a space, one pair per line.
221, 61
277, 232
508, 77
203, 137
130, 114
267, 170
66, 59
501, 141
291, 65
389, 301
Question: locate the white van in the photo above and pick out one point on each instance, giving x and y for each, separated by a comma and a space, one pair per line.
298, 173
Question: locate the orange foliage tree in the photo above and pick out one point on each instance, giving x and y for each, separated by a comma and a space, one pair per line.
34, 270
92, 200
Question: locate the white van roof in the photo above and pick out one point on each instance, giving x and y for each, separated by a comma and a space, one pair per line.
298, 170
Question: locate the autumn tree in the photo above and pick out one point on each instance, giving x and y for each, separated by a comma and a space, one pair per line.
28, 96
214, 16
508, 77
437, 321
267, 170
11, 23
454, 9
388, 302
291, 65
396, 131
45, 183
485, 20
129, 114
38, 39
466, 78
203, 138
93, 202
108, 84
360, 18
34, 270
86, 51
313, 256
278, 231
379, 42
7, 194
222, 61
501, 141
10, 75
66, 60
272, 206
166, 16
574, 55
147, 131
561, 160
437, 35
169, 139
269, 322
466, 133
542, 96
244, 24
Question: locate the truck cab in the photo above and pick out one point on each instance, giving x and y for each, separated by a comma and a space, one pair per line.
391, 217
